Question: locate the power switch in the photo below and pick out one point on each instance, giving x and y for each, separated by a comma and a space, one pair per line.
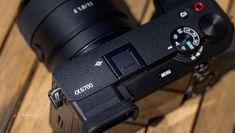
124, 61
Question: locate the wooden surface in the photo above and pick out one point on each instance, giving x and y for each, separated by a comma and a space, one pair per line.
34, 111
24, 105
16, 64
217, 114
8, 12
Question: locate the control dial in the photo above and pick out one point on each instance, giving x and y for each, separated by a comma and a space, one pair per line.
213, 26
187, 41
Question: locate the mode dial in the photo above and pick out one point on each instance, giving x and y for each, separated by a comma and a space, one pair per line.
187, 41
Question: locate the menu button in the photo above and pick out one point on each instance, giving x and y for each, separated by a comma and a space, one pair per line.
165, 73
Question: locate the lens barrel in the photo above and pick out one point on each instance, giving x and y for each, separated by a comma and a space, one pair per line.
58, 30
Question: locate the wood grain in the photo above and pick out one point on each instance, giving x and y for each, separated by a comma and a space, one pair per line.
218, 109
34, 112
232, 11
149, 12
16, 62
224, 4
136, 7
8, 10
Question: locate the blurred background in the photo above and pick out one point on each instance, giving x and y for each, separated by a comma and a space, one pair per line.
24, 84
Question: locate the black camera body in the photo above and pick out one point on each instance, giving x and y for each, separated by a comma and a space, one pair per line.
97, 89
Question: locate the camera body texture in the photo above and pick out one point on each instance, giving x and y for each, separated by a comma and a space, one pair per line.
103, 64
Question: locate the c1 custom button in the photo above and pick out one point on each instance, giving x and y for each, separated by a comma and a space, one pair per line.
124, 61
183, 14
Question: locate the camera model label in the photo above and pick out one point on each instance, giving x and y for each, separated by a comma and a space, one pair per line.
83, 89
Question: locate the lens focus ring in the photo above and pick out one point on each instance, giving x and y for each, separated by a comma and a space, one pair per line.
54, 26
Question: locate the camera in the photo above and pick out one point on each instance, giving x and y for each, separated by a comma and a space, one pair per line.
103, 62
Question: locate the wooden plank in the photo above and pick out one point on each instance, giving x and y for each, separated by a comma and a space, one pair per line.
232, 11
16, 62
8, 10
33, 116
218, 109
224, 4
149, 12
136, 7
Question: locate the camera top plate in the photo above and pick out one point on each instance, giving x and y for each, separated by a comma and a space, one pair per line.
154, 49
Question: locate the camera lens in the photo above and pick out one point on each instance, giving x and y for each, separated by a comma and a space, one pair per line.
60, 30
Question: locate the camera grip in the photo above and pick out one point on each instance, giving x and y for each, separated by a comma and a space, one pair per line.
110, 117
